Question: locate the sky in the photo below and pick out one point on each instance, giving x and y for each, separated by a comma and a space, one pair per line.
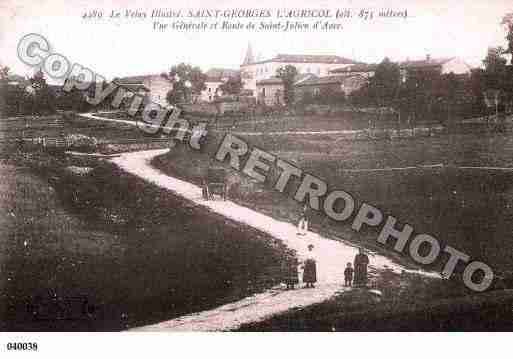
463, 28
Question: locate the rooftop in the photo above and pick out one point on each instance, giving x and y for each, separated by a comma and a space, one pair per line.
131, 80
218, 74
325, 80
355, 68
323, 59
274, 80
427, 62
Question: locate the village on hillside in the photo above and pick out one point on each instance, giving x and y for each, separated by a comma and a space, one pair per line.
446, 87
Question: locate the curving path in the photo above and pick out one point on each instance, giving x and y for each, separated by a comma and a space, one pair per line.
331, 256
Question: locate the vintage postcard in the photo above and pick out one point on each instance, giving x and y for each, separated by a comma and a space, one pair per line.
338, 166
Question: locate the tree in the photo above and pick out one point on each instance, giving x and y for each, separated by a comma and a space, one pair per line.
13, 98
187, 81
73, 99
494, 60
507, 21
43, 98
495, 68
287, 75
384, 85
4, 73
447, 93
232, 86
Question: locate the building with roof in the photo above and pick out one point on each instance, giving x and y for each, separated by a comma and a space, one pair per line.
270, 91
155, 87
365, 70
337, 85
253, 71
215, 78
442, 66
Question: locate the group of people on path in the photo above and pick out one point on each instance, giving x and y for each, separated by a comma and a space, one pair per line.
291, 270
354, 274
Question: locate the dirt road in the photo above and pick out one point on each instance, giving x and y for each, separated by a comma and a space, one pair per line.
331, 256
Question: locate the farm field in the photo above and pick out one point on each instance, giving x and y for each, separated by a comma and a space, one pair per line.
120, 225
111, 137
275, 123
468, 208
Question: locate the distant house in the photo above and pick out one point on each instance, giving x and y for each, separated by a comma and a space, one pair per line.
270, 91
215, 78
254, 71
154, 86
364, 70
419, 68
332, 85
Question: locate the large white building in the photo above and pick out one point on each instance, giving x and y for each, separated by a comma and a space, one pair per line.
253, 71
442, 66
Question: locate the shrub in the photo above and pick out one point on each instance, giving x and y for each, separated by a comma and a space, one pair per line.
83, 143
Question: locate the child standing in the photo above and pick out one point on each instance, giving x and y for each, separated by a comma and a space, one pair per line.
348, 275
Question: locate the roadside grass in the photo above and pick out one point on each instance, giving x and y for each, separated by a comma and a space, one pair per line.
135, 251
44, 251
405, 310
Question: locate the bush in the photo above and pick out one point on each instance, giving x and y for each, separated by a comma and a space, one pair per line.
82, 143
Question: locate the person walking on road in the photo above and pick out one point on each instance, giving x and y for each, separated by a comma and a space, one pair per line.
360, 268
302, 226
310, 269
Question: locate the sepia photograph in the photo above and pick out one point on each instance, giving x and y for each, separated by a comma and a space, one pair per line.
232, 166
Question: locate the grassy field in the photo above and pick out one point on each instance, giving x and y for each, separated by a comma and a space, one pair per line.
138, 255
360, 310
471, 209
344, 121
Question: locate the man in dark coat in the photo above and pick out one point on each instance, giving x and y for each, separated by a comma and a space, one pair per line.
360, 268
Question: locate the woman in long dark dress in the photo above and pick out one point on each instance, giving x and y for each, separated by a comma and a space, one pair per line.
310, 269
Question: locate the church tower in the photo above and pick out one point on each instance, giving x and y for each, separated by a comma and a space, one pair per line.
249, 58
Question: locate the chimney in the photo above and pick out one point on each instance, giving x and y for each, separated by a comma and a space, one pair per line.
428, 57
